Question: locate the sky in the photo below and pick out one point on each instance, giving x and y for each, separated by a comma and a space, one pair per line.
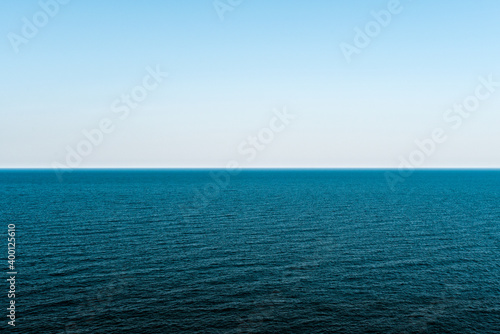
203, 83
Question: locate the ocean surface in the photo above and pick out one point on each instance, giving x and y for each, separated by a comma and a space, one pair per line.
264, 251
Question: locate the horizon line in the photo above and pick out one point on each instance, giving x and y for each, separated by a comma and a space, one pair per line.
249, 168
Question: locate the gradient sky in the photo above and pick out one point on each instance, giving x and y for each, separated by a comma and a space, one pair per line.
227, 76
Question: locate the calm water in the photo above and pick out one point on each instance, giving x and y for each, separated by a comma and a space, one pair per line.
268, 251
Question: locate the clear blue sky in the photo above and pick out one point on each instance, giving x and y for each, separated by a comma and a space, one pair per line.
225, 77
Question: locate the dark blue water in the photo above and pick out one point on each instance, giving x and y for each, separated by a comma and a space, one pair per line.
259, 252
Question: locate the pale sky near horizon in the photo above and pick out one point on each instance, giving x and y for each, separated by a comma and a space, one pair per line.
226, 79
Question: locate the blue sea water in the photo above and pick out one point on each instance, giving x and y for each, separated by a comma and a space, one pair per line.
264, 251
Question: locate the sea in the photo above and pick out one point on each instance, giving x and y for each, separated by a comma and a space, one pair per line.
251, 251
